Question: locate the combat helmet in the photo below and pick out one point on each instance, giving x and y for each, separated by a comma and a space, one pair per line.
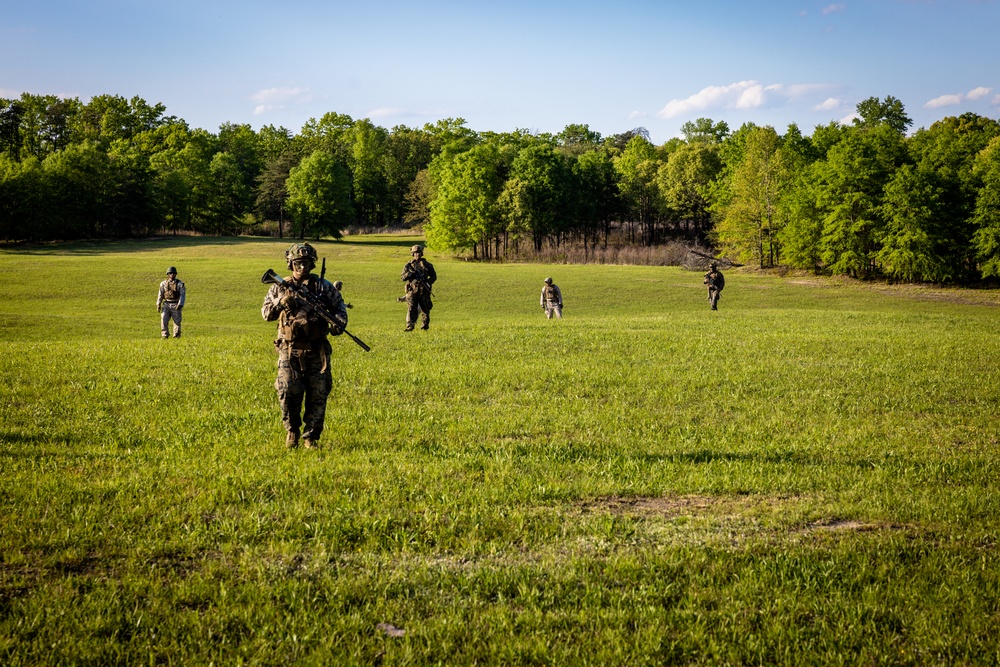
417, 249
300, 251
172, 269
548, 281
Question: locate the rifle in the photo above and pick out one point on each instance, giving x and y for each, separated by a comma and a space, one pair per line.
313, 302
421, 278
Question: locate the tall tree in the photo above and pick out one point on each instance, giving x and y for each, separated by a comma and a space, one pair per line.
319, 196
987, 212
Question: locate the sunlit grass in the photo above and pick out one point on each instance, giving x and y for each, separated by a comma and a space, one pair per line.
807, 475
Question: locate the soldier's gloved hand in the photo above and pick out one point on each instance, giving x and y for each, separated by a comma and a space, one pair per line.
288, 303
347, 305
335, 330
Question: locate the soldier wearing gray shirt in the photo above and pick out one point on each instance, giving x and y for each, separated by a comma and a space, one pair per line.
551, 299
169, 301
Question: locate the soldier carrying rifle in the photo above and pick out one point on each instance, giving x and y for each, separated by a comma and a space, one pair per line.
715, 281
419, 275
308, 309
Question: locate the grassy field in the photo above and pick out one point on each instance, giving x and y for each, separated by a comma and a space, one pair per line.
809, 475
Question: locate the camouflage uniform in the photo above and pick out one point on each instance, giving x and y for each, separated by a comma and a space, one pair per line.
303, 351
169, 301
715, 281
551, 299
419, 275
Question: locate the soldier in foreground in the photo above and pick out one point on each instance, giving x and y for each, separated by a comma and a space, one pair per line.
303, 347
419, 275
169, 302
715, 281
551, 299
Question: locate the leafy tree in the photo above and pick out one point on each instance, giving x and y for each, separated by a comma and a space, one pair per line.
754, 217
852, 179
637, 166
533, 199
578, 139
465, 213
367, 154
597, 194
873, 112
272, 193
684, 182
705, 130
24, 212
74, 180
107, 118
987, 213
319, 195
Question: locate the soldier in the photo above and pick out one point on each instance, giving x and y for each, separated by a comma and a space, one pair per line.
551, 299
339, 286
419, 275
715, 281
169, 301
303, 348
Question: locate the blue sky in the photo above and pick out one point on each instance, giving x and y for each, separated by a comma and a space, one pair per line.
504, 65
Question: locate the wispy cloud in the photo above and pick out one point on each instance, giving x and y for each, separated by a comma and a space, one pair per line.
977, 93
828, 104
833, 9
386, 112
958, 98
272, 99
996, 100
740, 95
637, 114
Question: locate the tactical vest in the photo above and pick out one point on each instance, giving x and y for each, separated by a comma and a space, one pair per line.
301, 331
171, 290
550, 293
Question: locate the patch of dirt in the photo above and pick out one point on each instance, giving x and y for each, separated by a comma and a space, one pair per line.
836, 525
673, 506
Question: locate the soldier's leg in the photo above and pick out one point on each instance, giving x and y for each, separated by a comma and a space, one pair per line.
290, 388
412, 309
177, 322
318, 383
425, 312
548, 311
164, 319
557, 309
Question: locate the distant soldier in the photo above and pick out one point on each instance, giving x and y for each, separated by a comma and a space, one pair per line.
169, 302
339, 286
419, 275
715, 281
551, 299
303, 348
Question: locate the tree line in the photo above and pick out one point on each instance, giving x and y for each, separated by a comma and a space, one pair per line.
862, 199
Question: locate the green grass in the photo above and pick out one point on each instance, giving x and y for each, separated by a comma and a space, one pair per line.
809, 475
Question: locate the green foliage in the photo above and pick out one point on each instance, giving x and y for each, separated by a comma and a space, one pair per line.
319, 196
808, 476
987, 214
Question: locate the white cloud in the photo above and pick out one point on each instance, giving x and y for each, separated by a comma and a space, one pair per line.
828, 104
996, 100
386, 112
977, 93
943, 101
849, 118
710, 97
830, 9
740, 95
272, 99
7, 93
636, 114
751, 98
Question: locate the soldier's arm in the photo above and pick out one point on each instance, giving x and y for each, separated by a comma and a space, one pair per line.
159, 297
271, 308
183, 291
431, 273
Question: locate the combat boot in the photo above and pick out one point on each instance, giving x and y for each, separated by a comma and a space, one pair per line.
409, 327
292, 440
309, 443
